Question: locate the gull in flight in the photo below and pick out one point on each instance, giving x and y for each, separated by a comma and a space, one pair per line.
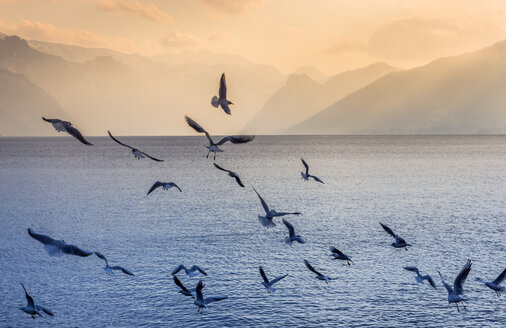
319, 276
268, 284
419, 278
183, 290
66, 126
306, 175
231, 174
137, 153
165, 185
291, 234
192, 272
33, 309
109, 269
57, 247
338, 255
496, 284
222, 99
266, 220
457, 290
202, 302
399, 242
213, 147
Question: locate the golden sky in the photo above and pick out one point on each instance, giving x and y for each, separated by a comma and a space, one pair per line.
331, 35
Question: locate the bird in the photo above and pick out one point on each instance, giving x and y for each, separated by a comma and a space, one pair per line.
192, 272
213, 147
202, 302
33, 309
183, 290
268, 284
457, 290
319, 276
58, 247
231, 174
266, 220
222, 100
306, 175
291, 234
109, 269
137, 153
496, 284
419, 278
66, 126
399, 242
338, 255
165, 185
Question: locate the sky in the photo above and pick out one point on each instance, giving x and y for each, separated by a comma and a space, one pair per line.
331, 35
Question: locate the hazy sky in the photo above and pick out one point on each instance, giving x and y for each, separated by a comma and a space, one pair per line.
332, 35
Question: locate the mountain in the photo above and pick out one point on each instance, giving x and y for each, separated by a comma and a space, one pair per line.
313, 73
302, 97
463, 94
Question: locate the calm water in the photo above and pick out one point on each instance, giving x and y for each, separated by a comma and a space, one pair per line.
445, 195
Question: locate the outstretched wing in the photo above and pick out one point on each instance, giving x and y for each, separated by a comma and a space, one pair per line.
220, 168
197, 127
41, 308
117, 141
448, 287
222, 93
285, 213
175, 186
305, 165
430, 280
154, 186
264, 204
388, 230
178, 268
239, 182
262, 273
197, 268
336, 251
74, 250
291, 229
412, 269
46, 240
101, 256
180, 284
76, 134
310, 267
29, 299
198, 290
236, 139
461, 277
225, 108
317, 179
277, 279
51, 120
155, 159
214, 299
120, 268
500, 278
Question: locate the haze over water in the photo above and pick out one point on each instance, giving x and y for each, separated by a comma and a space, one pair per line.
443, 194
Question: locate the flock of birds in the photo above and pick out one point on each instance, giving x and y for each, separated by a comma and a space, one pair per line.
58, 247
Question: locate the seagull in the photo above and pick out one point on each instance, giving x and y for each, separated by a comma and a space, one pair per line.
137, 153
213, 147
419, 278
190, 272
184, 290
109, 269
201, 302
58, 247
306, 175
496, 284
165, 185
399, 242
222, 99
319, 276
266, 220
66, 126
231, 174
33, 309
268, 284
291, 234
457, 290
338, 255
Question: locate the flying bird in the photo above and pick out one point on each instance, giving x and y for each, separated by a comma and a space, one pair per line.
291, 234
319, 276
137, 153
165, 185
222, 100
109, 269
306, 175
399, 242
457, 290
33, 309
183, 290
496, 284
266, 220
66, 126
202, 302
419, 278
213, 147
192, 272
268, 284
231, 174
338, 255
58, 247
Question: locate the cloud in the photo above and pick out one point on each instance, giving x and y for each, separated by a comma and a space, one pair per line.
148, 11
231, 7
177, 40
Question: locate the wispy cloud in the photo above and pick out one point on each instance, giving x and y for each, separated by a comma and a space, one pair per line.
231, 7
148, 11
178, 40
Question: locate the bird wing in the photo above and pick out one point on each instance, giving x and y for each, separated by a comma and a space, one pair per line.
220, 168
500, 278
412, 269
51, 120
74, 250
29, 299
214, 299
175, 185
120, 268
180, 284
46, 240
277, 279
430, 280
155, 159
316, 179
125, 145
305, 165
310, 267
225, 108
76, 134
262, 273
222, 93
389, 231
461, 277
41, 308
239, 182
154, 186
198, 290
236, 139
197, 268
197, 127
336, 251
448, 287
264, 204
102, 256
291, 229
285, 213
179, 268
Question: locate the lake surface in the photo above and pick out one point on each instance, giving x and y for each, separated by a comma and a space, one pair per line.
446, 195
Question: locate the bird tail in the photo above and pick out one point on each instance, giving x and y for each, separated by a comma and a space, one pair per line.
266, 222
215, 102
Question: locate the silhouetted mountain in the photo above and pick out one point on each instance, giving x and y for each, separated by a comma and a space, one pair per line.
313, 73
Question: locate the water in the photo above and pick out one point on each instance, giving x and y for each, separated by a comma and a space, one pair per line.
445, 195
